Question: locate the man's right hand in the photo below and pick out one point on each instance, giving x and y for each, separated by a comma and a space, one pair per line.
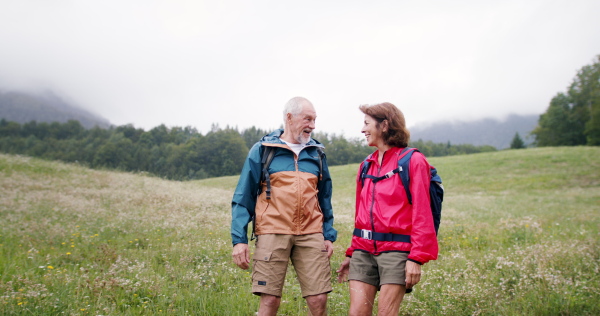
241, 255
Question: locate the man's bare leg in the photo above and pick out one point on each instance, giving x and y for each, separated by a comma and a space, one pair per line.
269, 304
317, 304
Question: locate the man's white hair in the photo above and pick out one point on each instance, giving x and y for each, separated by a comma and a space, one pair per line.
294, 107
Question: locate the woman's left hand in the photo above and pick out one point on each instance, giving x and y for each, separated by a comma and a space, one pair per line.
344, 270
413, 273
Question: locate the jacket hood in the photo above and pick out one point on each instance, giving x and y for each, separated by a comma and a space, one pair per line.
275, 138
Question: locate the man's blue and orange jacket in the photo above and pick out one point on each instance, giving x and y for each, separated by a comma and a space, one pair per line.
300, 203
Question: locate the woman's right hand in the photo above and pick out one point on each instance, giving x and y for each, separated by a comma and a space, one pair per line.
344, 270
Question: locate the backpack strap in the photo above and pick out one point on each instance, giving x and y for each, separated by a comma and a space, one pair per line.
267, 157
364, 170
403, 167
320, 153
371, 235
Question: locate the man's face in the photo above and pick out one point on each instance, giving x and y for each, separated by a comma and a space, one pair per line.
301, 125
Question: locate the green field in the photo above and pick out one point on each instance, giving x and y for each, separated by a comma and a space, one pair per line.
520, 235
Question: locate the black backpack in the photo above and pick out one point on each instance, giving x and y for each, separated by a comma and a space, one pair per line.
436, 189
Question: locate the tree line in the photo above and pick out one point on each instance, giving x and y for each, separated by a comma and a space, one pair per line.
177, 153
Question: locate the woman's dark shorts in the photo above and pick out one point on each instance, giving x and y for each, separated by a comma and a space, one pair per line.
377, 270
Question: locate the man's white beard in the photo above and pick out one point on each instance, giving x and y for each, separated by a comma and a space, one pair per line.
302, 139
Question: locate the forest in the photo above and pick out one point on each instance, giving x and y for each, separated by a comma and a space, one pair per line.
174, 153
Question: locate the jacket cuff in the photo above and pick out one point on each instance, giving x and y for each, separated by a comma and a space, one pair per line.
349, 253
415, 261
236, 241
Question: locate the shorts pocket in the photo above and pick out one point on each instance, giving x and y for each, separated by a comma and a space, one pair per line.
270, 256
262, 255
271, 248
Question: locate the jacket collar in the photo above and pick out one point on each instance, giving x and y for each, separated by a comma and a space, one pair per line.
275, 138
394, 151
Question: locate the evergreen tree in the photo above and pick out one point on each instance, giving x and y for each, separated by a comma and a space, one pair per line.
517, 142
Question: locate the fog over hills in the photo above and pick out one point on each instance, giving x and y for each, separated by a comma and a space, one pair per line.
495, 132
24, 107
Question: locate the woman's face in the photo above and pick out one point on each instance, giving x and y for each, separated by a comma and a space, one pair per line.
372, 133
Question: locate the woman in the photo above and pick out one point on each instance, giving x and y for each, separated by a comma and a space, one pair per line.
392, 238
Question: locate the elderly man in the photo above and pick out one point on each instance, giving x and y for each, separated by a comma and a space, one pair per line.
290, 202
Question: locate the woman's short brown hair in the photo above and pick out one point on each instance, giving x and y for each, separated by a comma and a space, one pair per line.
397, 134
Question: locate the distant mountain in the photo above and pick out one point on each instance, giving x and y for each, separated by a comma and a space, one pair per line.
23, 107
494, 132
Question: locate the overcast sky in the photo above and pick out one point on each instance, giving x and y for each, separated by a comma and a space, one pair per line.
236, 63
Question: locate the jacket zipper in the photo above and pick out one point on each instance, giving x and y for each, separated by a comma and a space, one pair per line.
298, 195
373, 203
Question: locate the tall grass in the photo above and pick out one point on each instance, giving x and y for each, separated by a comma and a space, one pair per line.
519, 235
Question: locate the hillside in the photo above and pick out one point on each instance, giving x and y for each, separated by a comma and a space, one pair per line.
519, 236
23, 107
494, 132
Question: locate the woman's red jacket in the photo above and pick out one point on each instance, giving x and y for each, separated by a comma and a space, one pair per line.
383, 207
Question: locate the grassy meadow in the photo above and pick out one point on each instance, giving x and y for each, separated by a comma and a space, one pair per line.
520, 235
